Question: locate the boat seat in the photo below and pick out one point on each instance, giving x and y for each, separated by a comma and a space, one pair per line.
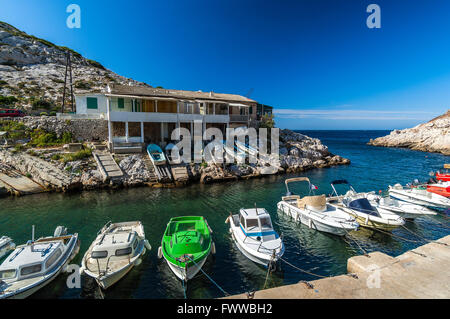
290, 197
317, 203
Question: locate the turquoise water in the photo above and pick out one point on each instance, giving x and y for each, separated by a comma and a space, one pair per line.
372, 168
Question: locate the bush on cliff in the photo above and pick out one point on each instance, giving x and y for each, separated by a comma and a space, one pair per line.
82, 154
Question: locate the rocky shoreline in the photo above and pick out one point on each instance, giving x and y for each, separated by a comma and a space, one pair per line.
433, 136
298, 153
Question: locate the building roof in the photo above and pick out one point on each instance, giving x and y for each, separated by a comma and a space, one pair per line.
180, 94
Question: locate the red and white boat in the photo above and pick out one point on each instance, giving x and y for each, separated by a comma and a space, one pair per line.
444, 176
442, 189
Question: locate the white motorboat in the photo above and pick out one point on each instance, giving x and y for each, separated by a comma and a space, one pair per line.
401, 208
253, 233
234, 154
34, 265
314, 212
213, 153
117, 248
419, 196
173, 154
6, 245
366, 215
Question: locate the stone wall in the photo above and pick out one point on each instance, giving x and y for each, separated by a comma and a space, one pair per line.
82, 129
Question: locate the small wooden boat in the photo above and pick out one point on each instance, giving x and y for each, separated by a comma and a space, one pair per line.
117, 248
6, 245
359, 206
186, 244
34, 265
314, 212
253, 234
156, 154
418, 195
442, 189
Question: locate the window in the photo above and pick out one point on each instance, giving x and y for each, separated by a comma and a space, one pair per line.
7, 274
92, 103
265, 223
135, 244
53, 258
30, 270
99, 254
120, 103
242, 221
252, 223
123, 252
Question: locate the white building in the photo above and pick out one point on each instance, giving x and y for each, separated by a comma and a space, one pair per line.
149, 115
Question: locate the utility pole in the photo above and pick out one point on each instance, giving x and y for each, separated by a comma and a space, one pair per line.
68, 72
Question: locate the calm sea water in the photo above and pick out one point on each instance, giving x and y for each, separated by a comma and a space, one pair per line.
372, 168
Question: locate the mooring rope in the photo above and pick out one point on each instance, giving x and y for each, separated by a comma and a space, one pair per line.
355, 241
302, 270
220, 288
184, 288
423, 238
269, 270
396, 236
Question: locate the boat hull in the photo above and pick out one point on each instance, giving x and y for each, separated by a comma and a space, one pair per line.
107, 281
190, 272
256, 259
443, 177
440, 190
28, 292
415, 199
310, 223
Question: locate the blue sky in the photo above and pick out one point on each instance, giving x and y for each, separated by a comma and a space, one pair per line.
315, 61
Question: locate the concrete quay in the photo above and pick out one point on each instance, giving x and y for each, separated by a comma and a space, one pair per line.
419, 273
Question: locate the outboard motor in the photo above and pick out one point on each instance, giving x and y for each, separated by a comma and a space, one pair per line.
60, 231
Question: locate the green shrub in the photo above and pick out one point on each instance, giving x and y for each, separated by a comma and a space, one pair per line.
41, 138
28, 175
66, 137
56, 157
16, 130
8, 100
41, 104
84, 153
43, 114
52, 113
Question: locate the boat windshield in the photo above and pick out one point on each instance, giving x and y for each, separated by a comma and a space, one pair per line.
266, 223
363, 205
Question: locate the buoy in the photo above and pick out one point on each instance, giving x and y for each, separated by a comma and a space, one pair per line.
147, 244
213, 248
137, 262
160, 254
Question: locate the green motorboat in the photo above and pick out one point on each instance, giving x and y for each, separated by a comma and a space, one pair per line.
186, 244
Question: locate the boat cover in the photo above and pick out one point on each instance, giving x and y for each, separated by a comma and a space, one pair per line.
340, 181
363, 205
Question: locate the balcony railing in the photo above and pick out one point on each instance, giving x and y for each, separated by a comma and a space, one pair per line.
239, 118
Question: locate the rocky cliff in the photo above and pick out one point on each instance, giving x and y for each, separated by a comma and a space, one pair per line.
433, 136
32, 70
